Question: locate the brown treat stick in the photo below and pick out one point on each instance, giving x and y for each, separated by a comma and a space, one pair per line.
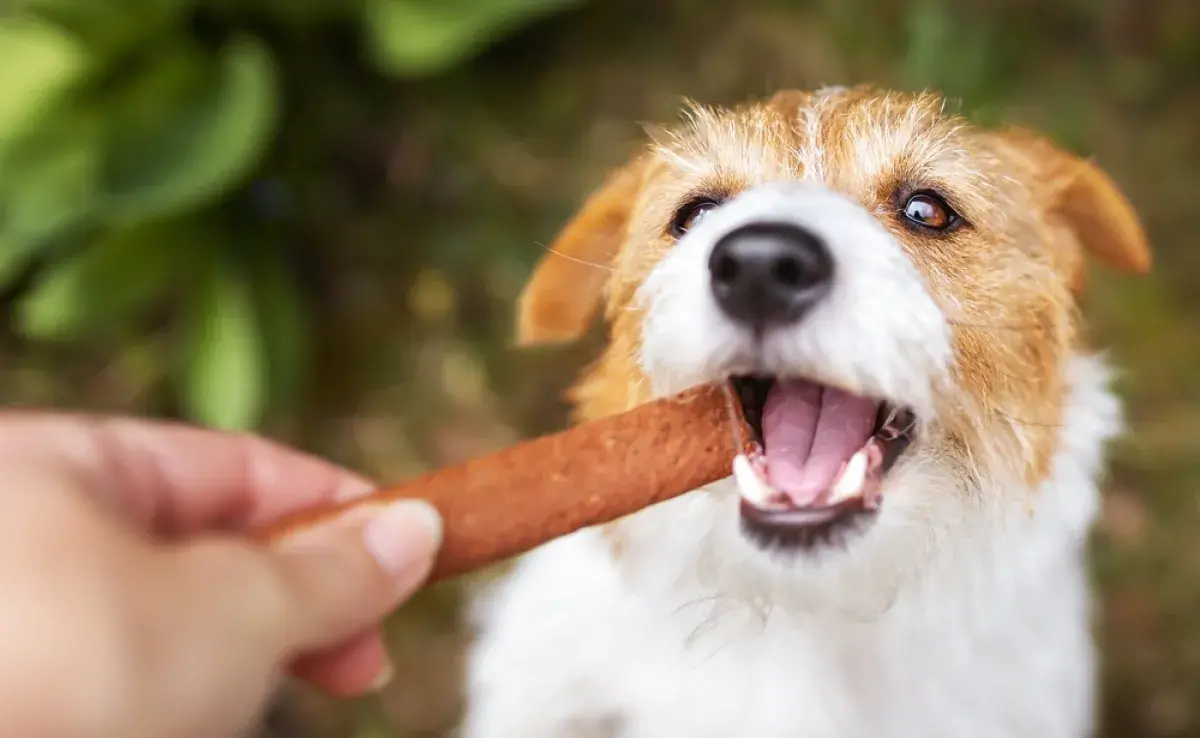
511, 501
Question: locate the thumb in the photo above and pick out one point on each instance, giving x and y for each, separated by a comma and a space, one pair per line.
228, 615
342, 578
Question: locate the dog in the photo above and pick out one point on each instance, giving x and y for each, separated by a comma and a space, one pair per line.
892, 294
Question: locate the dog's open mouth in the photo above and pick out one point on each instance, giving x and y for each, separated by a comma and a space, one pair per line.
821, 458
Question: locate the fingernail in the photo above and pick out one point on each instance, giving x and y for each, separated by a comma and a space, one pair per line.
404, 534
384, 678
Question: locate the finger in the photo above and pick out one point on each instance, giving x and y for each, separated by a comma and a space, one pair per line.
275, 605
178, 479
347, 583
355, 667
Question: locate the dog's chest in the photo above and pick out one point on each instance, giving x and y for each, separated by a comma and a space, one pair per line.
727, 673
569, 651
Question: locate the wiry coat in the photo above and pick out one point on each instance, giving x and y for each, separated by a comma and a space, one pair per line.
963, 610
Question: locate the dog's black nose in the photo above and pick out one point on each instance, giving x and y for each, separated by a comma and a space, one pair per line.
766, 274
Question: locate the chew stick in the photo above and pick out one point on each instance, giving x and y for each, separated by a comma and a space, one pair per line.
511, 501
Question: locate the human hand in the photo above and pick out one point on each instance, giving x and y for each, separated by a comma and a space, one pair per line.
132, 607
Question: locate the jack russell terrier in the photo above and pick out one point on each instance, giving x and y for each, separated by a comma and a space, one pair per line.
892, 293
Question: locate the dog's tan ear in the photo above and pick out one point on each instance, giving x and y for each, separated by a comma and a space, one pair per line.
560, 299
1091, 204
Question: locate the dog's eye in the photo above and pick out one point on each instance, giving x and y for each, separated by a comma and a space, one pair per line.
690, 214
929, 211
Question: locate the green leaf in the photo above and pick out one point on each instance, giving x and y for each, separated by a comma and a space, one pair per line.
223, 376
15, 255
47, 178
187, 131
106, 283
285, 325
111, 27
424, 37
40, 63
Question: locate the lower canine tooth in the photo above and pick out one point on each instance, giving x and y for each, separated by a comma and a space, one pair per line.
751, 487
852, 479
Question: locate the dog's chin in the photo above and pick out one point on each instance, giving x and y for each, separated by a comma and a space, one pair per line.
857, 574
816, 482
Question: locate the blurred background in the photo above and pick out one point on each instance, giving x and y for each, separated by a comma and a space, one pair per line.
309, 218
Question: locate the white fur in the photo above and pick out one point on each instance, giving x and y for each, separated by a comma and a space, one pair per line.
878, 332
960, 610
985, 645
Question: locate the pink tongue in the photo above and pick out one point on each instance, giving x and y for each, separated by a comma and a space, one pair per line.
809, 432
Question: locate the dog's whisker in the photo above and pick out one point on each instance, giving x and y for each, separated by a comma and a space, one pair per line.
723, 605
1028, 423
1016, 326
577, 260
697, 602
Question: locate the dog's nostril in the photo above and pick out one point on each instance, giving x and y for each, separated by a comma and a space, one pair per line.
788, 272
769, 273
725, 269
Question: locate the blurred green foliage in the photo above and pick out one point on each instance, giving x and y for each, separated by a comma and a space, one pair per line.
125, 128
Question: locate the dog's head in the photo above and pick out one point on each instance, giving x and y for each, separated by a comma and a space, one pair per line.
890, 290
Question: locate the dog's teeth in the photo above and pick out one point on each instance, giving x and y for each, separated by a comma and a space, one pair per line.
750, 486
853, 477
